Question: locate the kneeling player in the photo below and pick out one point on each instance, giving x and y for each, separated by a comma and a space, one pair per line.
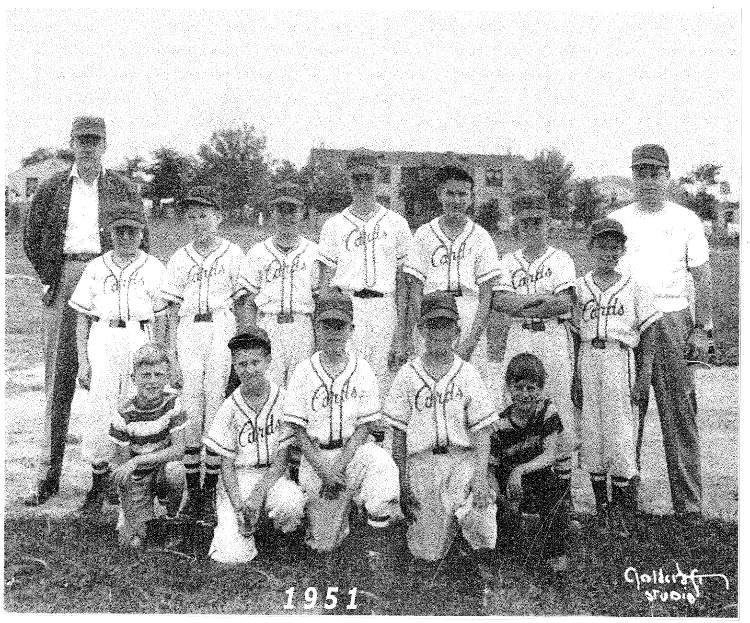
442, 416
523, 456
331, 401
253, 444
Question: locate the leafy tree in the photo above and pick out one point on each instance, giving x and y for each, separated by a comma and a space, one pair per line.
588, 200
131, 166
235, 163
325, 186
38, 155
285, 171
172, 173
418, 191
552, 175
65, 154
694, 192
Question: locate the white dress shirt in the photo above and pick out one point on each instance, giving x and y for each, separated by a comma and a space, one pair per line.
82, 232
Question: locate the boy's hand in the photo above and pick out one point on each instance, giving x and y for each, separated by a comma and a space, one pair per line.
480, 488
515, 486
84, 374
122, 473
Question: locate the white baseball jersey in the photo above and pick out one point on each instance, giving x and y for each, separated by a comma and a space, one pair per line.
437, 413
109, 292
205, 284
621, 312
330, 409
444, 264
365, 254
550, 273
283, 283
250, 438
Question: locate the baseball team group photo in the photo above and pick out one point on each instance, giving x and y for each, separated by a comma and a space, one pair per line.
380, 383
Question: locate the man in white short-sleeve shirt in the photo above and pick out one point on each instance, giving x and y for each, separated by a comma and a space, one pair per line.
667, 248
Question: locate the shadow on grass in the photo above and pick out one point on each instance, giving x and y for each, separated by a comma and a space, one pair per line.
75, 565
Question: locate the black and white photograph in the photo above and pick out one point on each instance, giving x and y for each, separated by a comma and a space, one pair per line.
330, 311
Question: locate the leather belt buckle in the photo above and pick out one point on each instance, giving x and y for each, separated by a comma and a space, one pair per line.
117, 324
367, 294
534, 325
285, 318
440, 450
599, 343
207, 317
334, 445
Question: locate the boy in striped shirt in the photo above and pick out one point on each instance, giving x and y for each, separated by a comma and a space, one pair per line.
149, 432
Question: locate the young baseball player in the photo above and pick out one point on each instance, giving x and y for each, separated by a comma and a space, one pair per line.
205, 288
362, 250
453, 254
253, 444
615, 313
120, 308
148, 432
523, 454
535, 289
331, 401
282, 276
442, 417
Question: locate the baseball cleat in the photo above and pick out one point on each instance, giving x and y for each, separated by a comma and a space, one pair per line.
93, 503
45, 489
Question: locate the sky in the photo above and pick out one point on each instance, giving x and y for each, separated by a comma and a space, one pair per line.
591, 85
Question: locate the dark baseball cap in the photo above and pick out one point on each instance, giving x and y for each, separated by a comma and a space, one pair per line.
438, 305
650, 154
334, 306
287, 193
252, 337
89, 125
529, 203
125, 213
607, 226
361, 157
201, 196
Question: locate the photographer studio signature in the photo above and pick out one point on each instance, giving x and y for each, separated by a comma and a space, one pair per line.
658, 585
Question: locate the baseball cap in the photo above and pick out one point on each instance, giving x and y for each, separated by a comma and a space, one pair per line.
202, 196
650, 154
125, 213
252, 337
438, 305
287, 193
334, 306
529, 204
361, 157
607, 226
88, 125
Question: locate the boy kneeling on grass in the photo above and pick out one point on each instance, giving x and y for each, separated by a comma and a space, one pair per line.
148, 432
522, 458
254, 444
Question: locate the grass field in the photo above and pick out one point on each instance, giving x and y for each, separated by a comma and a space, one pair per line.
57, 563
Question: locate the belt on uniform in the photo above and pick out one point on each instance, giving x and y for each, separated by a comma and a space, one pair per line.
334, 445
207, 317
367, 294
440, 450
119, 323
537, 325
283, 318
599, 343
80, 257
455, 293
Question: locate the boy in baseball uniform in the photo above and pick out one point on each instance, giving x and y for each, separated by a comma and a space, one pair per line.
615, 312
522, 456
148, 432
331, 401
442, 417
248, 435
205, 287
453, 254
535, 290
362, 250
120, 308
282, 276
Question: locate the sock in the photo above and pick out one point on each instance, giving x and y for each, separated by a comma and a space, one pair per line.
99, 474
213, 468
620, 492
599, 485
192, 462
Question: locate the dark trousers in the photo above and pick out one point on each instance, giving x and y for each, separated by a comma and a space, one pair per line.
60, 371
543, 494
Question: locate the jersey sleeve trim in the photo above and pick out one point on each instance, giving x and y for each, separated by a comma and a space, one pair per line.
503, 287
365, 418
161, 310
81, 308
484, 422
170, 296
649, 321
414, 272
564, 286
394, 422
214, 445
118, 436
294, 419
487, 276
325, 259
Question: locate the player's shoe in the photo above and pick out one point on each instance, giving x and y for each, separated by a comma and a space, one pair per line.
191, 506
207, 507
45, 489
93, 503
618, 522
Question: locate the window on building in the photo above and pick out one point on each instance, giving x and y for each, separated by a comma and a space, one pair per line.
384, 175
32, 184
384, 200
494, 177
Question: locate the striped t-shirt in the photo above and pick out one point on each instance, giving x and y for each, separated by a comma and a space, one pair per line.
147, 429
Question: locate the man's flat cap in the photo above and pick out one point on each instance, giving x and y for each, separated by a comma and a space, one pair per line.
202, 196
89, 125
361, 157
252, 337
650, 154
125, 213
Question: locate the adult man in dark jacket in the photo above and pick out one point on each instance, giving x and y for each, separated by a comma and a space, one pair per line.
63, 230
